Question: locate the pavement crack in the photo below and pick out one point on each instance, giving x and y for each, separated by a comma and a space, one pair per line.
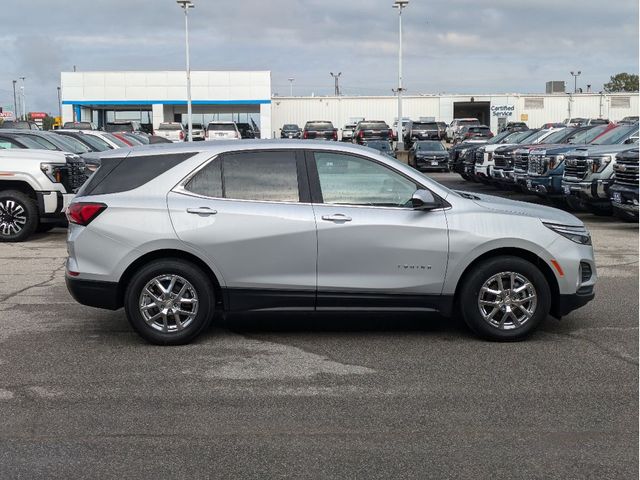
612, 353
51, 278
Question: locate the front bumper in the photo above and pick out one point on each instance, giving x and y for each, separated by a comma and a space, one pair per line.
432, 164
94, 293
565, 304
624, 197
549, 185
594, 191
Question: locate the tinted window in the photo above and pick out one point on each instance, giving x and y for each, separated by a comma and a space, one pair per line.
430, 146
122, 174
266, 176
615, 135
97, 143
349, 180
221, 127
42, 142
115, 140
170, 126
208, 181
424, 126
319, 126
373, 125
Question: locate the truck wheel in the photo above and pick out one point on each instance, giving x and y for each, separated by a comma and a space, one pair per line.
504, 298
18, 216
169, 302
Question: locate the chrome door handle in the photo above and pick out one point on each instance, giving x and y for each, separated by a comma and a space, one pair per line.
202, 211
338, 217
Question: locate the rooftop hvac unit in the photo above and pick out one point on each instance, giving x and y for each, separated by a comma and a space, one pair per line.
555, 86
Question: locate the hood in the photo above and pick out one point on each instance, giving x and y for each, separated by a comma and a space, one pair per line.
603, 149
494, 146
547, 214
554, 149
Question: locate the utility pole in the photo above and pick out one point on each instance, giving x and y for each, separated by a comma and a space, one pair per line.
336, 77
291, 79
400, 4
186, 5
60, 104
575, 80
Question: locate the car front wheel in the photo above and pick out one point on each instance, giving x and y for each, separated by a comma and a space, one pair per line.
169, 302
505, 298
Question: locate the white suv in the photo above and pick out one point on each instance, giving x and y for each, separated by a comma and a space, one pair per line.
175, 232
223, 131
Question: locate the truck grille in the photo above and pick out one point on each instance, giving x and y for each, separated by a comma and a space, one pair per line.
502, 161
74, 174
537, 164
576, 166
626, 170
521, 162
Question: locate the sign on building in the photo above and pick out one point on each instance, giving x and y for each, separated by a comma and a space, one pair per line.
502, 110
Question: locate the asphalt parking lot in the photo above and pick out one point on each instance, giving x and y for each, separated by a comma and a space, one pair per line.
317, 396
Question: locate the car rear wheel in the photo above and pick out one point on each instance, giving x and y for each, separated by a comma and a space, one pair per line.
169, 302
18, 216
505, 298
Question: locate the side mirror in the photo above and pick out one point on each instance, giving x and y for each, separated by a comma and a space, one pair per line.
424, 200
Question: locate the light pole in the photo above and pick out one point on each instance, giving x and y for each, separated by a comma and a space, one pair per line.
336, 77
60, 104
24, 99
400, 4
291, 79
575, 80
15, 101
186, 5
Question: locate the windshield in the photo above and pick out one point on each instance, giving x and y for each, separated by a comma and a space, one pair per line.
290, 126
615, 136
42, 142
558, 136
430, 146
499, 137
98, 144
116, 140
71, 144
478, 129
319, 126
588, 135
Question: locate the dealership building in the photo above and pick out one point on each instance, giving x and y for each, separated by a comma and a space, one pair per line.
245, 96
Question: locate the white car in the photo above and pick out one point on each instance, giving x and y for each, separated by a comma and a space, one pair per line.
455, 126
222, 131
172, 131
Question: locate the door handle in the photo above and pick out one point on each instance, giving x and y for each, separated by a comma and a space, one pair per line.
337, 217
202, 211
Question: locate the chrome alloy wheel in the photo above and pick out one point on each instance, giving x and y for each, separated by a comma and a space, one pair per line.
168, 303
507, 300
13, 217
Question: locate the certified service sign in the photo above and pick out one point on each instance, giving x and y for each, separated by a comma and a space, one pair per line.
502, 110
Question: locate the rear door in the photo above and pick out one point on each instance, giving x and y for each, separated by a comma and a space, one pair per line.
373, 248
249, 213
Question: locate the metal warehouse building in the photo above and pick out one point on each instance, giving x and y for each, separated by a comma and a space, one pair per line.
160, 96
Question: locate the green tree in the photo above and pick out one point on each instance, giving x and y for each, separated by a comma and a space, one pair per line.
622, 82
47, 122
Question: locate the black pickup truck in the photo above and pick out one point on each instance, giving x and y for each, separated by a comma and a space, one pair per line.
319, 130
371, 130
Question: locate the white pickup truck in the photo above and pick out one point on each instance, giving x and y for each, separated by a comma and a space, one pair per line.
173, 131
36, 187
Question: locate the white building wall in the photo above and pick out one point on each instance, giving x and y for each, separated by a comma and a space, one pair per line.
555, 108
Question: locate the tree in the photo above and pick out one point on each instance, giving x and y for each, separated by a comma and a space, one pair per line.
47, 122
622, 82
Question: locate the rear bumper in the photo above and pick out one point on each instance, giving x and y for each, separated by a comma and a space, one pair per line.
94, 293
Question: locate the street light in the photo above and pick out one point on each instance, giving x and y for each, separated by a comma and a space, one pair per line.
291, 79
400, 4
59, 104
575, 80
336, 76
15, 101
24, 99
186, 5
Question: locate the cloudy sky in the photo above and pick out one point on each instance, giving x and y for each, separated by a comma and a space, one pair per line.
455, 46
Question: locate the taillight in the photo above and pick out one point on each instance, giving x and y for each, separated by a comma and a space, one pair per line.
305, 134
390, 133
361, 133
181, 135
335, 135
83, 213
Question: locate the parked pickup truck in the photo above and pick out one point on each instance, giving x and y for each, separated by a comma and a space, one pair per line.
588, 174
624, 191
319, 130
371, 130
173, 131
36, 187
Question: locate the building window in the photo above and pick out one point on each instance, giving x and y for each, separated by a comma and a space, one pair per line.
620, 102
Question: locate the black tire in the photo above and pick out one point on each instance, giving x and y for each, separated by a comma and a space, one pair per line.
18, 216
205, 301
468, 298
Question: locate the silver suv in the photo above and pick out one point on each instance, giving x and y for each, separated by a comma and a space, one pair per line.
175, 232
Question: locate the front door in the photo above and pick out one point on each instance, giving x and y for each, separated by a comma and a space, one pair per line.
374, 249
249, 214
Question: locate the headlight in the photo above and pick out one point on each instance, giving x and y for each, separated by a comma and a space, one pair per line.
555, 160
53, 171
600, 163
575, 234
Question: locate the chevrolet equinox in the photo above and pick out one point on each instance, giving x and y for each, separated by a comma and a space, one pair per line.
173, 233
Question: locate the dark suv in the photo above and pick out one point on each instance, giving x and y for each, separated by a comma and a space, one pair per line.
624, 191
423, 131
290, 130
319, 130
371, 130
